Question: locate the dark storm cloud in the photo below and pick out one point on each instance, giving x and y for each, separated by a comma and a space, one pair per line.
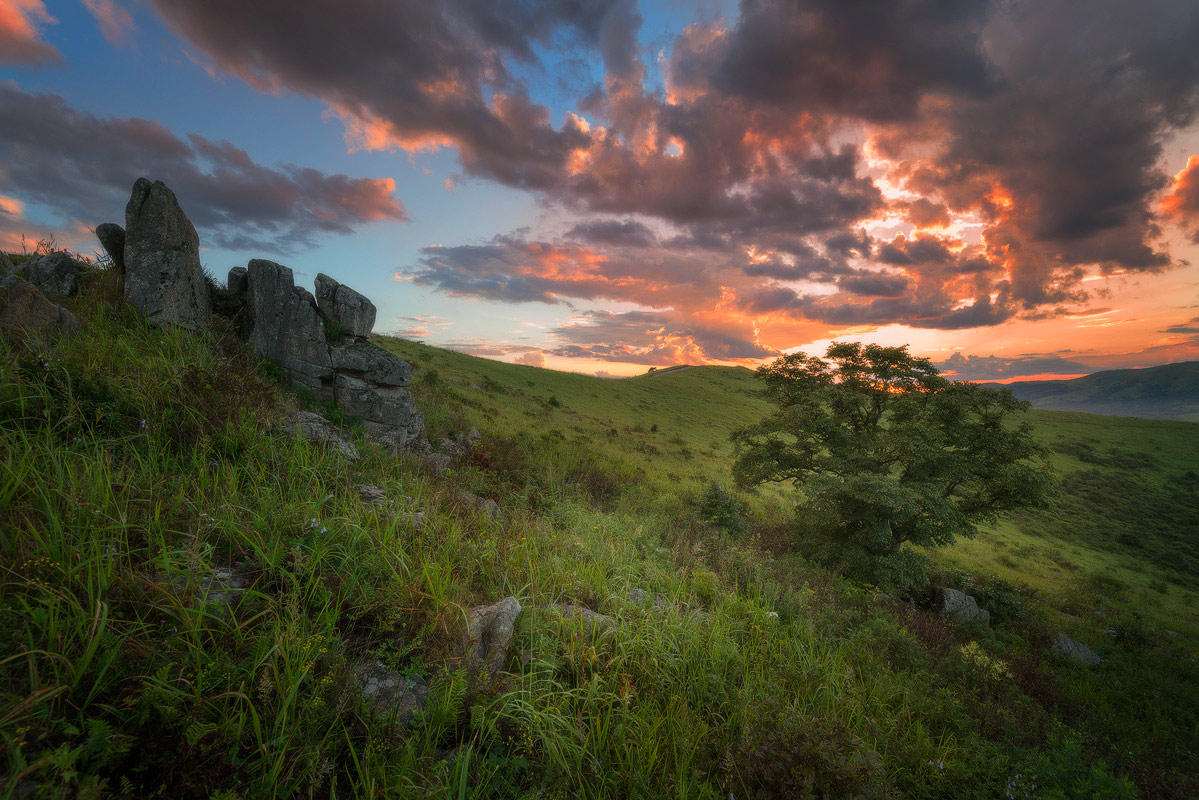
871, 59
82, 166
613, 232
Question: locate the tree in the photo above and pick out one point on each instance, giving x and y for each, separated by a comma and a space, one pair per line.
885, 451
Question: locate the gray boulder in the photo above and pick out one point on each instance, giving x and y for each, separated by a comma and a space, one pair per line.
239, 282
370, 363
285, 325
56, 273
342, 306
163, 276
26, 312
112, 239
318, 430
1075, 651
489, 631
961, 608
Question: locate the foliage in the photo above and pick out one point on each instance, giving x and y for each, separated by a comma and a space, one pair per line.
118, 681
722, 510
885, 452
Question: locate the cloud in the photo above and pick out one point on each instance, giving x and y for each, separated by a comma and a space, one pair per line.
1182, 202
115, 22
20, 23
1189, 327
941, 164
81, 166
532, 358
990, 368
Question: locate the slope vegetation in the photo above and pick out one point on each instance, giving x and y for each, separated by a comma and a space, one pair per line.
1170, 391
188, 598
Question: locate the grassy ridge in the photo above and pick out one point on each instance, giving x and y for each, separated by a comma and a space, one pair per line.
135, 464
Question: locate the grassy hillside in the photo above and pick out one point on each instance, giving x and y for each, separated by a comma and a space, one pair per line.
138, 467
1170, 391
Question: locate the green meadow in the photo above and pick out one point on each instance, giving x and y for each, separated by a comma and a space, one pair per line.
136, 465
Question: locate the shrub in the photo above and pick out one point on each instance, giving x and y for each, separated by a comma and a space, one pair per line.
720, 509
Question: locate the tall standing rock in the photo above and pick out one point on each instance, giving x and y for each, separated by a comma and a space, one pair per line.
163, 277
112, 239
286, 326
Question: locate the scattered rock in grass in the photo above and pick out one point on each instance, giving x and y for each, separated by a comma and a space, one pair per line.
316, 429
25, 311
388, 692
163, 276
369, 493
6, 265
641, 597
1075, 651
460, 443
55, 274
222, 586
572, 612
961, 608
489, 631
437, 462
484, 505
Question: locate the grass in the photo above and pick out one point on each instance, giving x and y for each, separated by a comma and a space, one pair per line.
753, 672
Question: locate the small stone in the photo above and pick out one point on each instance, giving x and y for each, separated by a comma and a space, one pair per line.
387, 692
489, 631
318, 430
571, 611
369, 493
484, 505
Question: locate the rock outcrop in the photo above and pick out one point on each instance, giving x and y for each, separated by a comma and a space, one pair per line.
26, 312
163, 277
387, 692
55, 274
287, 324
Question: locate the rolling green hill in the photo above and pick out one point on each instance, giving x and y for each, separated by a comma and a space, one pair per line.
1170, 391
189, 598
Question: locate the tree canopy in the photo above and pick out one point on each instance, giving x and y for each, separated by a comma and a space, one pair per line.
885, 451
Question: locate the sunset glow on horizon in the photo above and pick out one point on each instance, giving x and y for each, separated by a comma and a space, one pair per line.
611, 186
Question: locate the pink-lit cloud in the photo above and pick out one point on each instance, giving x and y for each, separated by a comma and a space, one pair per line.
21, 22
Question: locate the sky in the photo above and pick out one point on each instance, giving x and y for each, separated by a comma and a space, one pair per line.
1009, 187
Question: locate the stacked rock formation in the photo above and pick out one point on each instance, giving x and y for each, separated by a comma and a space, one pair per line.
288, 324
320, 341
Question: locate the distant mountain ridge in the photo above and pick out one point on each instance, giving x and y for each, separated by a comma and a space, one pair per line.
1170, 391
